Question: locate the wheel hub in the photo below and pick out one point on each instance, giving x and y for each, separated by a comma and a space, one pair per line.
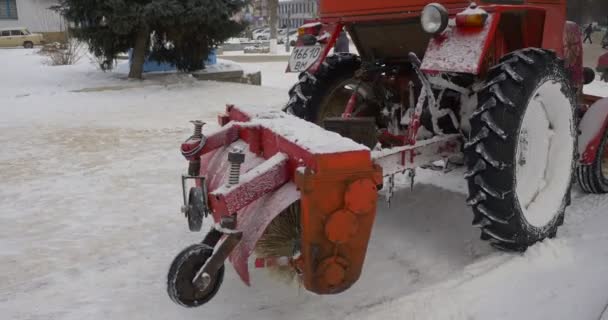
335, 102
544, 154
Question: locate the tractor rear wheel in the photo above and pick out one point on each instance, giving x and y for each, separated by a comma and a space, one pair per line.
521, 150
326, 93
594, 178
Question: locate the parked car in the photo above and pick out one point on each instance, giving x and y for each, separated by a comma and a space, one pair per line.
264, 35
16, 37
292, 38
261, 34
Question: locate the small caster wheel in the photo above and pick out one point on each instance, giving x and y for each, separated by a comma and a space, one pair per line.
182, 272
196, 209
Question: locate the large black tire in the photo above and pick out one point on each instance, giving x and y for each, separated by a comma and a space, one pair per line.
183, 270
307, 94
28, 45
492, 148
594, 178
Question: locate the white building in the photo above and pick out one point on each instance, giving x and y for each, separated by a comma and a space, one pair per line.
293, 13
34, 15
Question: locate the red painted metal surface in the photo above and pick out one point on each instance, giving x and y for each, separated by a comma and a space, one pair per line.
543, 26
333, 187
257, 183
331, 28
465, 50
592, 127
266, 188
396, 160
359, 9
350, 106
334, 29
602, 62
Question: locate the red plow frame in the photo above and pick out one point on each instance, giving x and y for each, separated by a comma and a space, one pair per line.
287, 160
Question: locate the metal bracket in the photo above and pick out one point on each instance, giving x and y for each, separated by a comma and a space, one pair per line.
221, 252
433, 103
411, 173
390, 188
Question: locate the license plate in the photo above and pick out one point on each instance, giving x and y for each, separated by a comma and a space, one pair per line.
303, 58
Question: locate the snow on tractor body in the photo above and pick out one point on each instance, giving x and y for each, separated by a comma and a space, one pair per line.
500, 84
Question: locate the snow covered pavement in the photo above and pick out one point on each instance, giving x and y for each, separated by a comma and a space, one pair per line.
89, 223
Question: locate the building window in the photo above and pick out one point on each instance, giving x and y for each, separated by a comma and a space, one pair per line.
8, 9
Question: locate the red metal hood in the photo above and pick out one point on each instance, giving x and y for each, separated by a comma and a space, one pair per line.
341, 8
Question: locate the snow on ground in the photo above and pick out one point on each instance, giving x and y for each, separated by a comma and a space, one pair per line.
89, 223
273, 74
598, 88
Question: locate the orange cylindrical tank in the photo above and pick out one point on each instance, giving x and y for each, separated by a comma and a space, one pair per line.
338, 209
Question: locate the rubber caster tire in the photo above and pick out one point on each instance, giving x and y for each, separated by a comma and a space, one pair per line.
184, 268
196, 210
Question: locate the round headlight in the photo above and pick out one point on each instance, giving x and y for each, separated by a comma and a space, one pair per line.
434, 18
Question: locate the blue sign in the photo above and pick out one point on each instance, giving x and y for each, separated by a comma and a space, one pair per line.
151, 65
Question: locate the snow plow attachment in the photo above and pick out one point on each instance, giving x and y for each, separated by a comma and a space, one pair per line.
250, 171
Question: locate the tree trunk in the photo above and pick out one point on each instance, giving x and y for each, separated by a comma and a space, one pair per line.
139, 53
273, 8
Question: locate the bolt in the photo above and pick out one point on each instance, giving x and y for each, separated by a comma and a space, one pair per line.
198, 128
236, 157
228, 222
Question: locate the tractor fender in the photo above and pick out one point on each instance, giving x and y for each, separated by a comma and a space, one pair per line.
333, 31
592, 128
460, 50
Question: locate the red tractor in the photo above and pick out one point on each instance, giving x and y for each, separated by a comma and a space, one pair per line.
496, 86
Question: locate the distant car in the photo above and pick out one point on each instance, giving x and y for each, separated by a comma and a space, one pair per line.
264, 35
261, 34
292, 38
17, 37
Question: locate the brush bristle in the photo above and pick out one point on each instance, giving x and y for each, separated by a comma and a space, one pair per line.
282, 239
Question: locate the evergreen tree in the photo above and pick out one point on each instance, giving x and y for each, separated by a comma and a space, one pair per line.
184, 31
195, 27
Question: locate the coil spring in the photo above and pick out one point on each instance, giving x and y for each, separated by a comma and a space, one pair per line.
198, 130
235, 173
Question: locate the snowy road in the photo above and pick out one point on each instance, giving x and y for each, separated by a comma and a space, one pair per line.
89, 199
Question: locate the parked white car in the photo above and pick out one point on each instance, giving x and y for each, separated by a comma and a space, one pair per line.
264, 35
292, 38
261, 34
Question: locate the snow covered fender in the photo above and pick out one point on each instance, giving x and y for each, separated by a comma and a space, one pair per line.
460, 50
592, 128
